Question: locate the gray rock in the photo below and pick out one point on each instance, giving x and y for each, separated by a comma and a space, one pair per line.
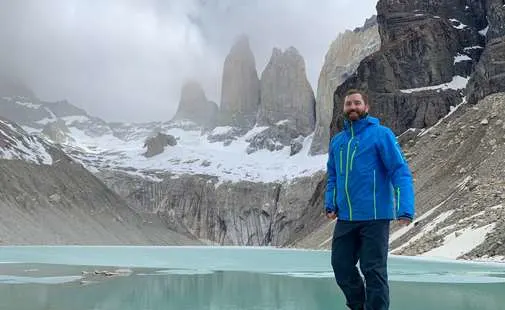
56, 131
341, 61
240, 92
417, 50
195, 107
226, 134
286, 93
156, 145
239, 213
55, 198
296, 146
489, 75
409, 136
273, 138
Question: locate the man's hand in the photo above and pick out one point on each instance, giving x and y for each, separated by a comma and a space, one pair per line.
404, 221
331, 215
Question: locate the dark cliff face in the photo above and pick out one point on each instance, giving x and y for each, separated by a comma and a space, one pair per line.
489, 75
428, 51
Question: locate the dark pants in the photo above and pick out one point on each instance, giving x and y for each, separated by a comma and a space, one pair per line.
368, 242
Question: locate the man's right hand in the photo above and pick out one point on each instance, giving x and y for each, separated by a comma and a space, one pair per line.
331, 215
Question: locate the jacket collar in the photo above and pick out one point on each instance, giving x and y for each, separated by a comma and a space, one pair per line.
354, 127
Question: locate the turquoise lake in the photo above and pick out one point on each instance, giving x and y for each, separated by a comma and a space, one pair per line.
57, 278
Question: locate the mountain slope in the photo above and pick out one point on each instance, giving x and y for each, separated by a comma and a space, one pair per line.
48, 198
460, 170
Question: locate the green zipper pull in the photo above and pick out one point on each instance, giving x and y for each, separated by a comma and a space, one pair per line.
353, 153
341, 155
398, 200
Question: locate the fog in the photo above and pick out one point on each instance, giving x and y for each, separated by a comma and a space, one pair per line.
126, 60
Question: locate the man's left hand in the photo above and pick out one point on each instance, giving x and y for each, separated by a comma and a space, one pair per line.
404, 221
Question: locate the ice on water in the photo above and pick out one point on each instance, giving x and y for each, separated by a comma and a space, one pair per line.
52, 277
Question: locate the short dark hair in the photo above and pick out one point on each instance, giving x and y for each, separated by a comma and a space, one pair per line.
353, 91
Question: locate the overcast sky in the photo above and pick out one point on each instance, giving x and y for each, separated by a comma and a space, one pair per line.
126, 60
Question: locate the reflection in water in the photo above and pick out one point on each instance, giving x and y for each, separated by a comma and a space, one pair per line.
149, 290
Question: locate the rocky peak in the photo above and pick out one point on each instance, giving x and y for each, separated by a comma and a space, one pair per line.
64, 108
286, 93
195, 107
341, 61
240, 92
14, 87
370, 22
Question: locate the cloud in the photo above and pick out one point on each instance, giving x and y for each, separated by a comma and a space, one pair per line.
127, 59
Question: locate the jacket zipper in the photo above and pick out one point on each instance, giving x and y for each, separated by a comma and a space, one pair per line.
341, 152
374, 199
347, 173
397, 201
352, 156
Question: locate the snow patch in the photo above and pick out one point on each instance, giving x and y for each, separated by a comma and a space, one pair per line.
194, 154
461, 57
495, 259
402, 231
458, 82
221, 130
459, 25
461, 242
75, 118
253, 132
28, 105
427, 229
45, 121
483, 32
16, 144
473, 47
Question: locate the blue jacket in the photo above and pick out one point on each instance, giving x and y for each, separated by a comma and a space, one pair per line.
368, 175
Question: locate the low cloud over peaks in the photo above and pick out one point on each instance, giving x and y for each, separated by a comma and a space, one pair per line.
127, 60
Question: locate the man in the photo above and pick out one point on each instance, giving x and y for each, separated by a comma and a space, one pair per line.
369, 184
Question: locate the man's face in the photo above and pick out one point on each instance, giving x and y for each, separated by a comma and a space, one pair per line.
355, 107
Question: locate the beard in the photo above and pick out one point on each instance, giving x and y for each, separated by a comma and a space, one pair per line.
354, 115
